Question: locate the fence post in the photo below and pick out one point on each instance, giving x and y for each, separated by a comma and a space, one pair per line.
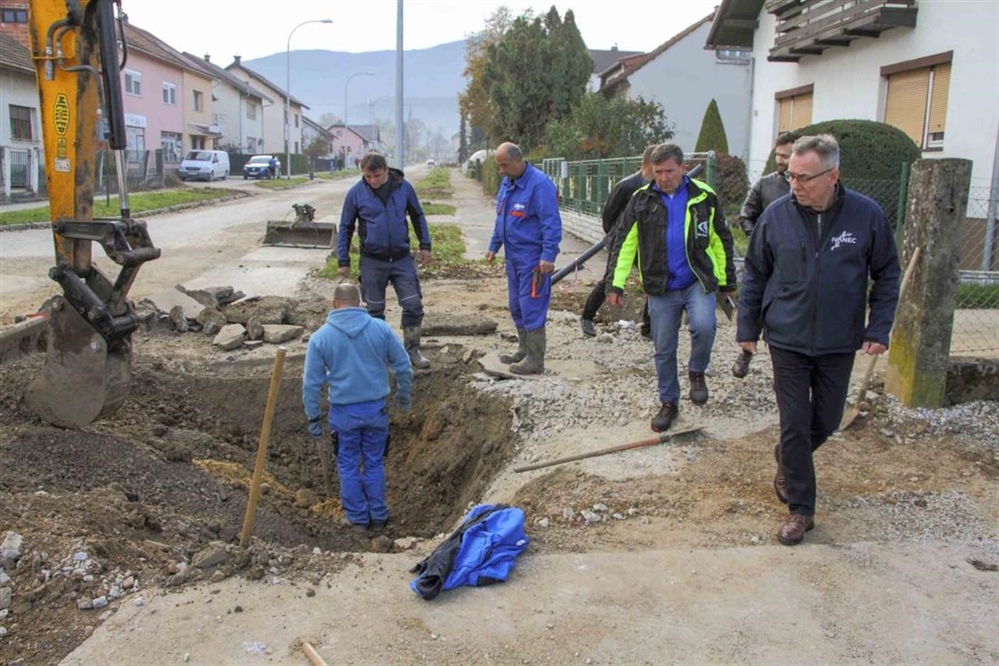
4, 172
712, 171
903, 192
920, 343
990, 222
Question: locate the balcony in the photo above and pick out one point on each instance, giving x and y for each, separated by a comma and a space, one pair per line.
809, 27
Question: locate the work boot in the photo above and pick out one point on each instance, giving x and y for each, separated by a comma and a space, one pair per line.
741, 366
698, 388
780, 485
792, 531
534, 362
589, 330
667, 412
521, 348
411, 340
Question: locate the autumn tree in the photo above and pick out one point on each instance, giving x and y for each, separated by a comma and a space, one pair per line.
473, 103
600, 128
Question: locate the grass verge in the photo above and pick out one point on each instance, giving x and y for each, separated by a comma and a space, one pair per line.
436, 185
431, 208
281, 183
141, 202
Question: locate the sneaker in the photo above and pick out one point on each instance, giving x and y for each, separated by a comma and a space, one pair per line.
698, 388
589, 330
780, 485
662, 420
792, 531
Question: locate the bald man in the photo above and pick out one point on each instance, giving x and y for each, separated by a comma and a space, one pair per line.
529, 226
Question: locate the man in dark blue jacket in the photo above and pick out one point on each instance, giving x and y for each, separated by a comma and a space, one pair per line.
378, 206
529, 225
806, 275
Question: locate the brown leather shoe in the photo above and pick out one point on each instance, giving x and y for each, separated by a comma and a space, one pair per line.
780, 485
662, 420
792, 532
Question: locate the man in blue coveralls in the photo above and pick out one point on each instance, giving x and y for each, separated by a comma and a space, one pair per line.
529, 225
351, 353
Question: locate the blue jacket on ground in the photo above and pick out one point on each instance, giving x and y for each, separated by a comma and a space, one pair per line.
350, 352
806, 276
381, 227
527, 218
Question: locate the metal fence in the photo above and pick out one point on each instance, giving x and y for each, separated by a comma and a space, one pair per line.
584, 186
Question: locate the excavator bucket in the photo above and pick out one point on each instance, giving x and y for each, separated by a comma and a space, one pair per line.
82, 380
304, 231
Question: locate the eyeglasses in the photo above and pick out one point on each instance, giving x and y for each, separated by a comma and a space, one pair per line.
804, 178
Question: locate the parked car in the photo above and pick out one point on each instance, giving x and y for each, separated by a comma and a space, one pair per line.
204, 165
258, 167
431, 163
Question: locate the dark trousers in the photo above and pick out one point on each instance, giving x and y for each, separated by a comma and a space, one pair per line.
811, 394
596, 299
376, 275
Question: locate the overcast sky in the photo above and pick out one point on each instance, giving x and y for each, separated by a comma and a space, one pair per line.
254, 28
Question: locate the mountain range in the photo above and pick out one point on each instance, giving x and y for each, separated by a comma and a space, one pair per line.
432, 81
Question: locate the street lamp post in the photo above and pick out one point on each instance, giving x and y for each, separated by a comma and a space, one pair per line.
345, 109
287, 96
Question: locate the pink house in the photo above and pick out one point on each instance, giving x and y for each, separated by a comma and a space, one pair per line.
353, 141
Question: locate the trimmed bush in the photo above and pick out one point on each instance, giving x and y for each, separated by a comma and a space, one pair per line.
732, 182
712, 136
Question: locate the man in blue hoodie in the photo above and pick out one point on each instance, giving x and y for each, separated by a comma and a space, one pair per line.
378, 206
351, 353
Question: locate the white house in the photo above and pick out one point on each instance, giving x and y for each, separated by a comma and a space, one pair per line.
274, 113
684, 77
930, 68
239, 110
20, 132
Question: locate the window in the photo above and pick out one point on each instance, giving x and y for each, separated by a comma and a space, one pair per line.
14, 16
133, 82
794, 108
251, 145
171, 143
732, 55
916, 102
251, 110
169, 94
20, 123
296, 120
199, 100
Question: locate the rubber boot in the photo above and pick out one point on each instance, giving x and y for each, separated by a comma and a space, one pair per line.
521, 348
411, 340
534, 362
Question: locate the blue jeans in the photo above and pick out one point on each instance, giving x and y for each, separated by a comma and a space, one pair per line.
375, 277
528, 301
666, 311
362, 432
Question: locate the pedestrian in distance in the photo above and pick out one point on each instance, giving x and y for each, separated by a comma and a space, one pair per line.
814, 319
351, 354
272, 165
677, 231
613, 214
529, 226
377, 207
766, 190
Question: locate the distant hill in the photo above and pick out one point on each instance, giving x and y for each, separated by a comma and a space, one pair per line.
432, 82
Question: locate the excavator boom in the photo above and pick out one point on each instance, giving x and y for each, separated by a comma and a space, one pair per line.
78, 50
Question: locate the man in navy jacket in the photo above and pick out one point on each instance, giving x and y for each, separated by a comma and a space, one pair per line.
378, 206
806, 283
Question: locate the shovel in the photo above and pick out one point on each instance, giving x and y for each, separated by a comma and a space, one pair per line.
852, 413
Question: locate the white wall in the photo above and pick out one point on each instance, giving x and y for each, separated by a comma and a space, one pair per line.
685, 78
19, 90
848, 81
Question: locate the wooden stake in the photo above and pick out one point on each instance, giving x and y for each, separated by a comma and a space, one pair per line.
265, 434
313, 656
614, 449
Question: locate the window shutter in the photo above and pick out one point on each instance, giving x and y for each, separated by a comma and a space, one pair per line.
905, 107
802, 111
938, 102
784, 116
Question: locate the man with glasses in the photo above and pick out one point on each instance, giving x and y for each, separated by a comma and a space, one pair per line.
806, 274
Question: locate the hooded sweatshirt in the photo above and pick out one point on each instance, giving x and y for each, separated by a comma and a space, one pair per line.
352, 352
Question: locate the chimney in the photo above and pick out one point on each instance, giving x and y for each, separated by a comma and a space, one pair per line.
208, 57
237, 59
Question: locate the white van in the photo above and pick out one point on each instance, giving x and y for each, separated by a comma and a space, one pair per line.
205, 165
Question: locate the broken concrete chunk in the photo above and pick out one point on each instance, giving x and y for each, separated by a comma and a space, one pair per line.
254, 328
212, 555
212, 321
179, 319
168, 300
278, 333
203, 296
10, 549
230, 337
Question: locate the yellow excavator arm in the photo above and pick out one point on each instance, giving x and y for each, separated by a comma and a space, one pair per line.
78, 48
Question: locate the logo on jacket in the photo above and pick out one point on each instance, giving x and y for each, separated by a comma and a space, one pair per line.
702, 228
845, 238
519, 210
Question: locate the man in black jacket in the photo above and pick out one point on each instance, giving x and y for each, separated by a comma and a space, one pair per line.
768, 188
613, 211
806, 273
